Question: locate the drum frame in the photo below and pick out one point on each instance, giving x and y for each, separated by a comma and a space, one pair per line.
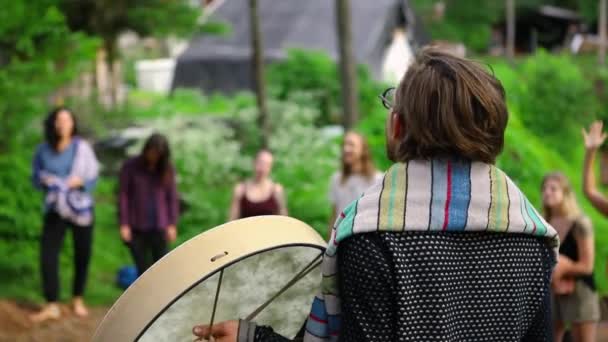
195, 261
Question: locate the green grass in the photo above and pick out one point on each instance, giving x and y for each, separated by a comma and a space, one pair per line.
147, 105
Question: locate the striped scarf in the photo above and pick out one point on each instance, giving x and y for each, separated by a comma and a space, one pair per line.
437, 195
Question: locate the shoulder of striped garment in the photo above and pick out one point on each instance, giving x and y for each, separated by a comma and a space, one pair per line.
444, 195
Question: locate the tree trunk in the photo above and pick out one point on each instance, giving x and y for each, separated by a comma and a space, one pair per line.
510, 48
102, 79
108, 75
258, 71
602, 30
116, 76
347, 65
112, 72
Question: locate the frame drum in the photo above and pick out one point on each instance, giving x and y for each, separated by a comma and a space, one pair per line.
254, 258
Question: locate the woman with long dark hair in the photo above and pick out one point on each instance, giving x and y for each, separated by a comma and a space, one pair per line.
357, 173
66, 169
148, 202
575, 299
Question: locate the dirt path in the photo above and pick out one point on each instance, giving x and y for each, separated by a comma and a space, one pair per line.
603, 332
16, 327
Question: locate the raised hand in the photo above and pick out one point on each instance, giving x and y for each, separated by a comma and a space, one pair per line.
596, 137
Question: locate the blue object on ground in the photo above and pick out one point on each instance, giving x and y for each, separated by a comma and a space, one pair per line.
126, 276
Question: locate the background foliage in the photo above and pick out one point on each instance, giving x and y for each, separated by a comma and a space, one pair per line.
315, 73
38, 54
214, 137
470, 22
213, 141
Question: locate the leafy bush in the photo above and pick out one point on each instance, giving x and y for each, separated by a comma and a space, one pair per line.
313, 72
20, 223
19, 200
468, 21
317, 74
39, 54
554, 97
189, 102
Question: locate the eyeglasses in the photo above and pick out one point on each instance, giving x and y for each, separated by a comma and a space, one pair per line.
388, 98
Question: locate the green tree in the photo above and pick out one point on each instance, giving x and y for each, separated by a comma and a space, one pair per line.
510, 18
466, 21
38, 54
107, 19
602, 32
257, 61
471, 21
348, 72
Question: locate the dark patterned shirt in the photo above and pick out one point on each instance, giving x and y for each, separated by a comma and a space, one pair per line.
422, 286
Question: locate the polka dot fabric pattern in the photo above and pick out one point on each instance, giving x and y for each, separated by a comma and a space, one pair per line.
266, 334
433, 286
445, 287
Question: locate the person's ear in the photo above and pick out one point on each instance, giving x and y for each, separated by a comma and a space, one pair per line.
397, 126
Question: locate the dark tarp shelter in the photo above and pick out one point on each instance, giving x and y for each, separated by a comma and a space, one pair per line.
545, 26
223, 63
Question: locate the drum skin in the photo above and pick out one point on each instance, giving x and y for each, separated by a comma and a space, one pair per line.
194, 262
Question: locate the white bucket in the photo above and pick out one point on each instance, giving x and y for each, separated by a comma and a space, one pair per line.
155, 74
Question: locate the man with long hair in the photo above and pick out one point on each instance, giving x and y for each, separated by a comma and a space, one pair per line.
445, 247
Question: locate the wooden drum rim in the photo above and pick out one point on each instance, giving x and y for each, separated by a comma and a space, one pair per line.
193, 262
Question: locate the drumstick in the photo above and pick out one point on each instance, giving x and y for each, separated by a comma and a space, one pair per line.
307, 269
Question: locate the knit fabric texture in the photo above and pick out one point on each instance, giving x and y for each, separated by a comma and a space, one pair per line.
431, 198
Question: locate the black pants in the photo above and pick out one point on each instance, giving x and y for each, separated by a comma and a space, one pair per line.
147, 247
50, 248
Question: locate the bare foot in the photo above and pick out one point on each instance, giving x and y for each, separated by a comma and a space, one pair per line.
50, 311
80, 309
